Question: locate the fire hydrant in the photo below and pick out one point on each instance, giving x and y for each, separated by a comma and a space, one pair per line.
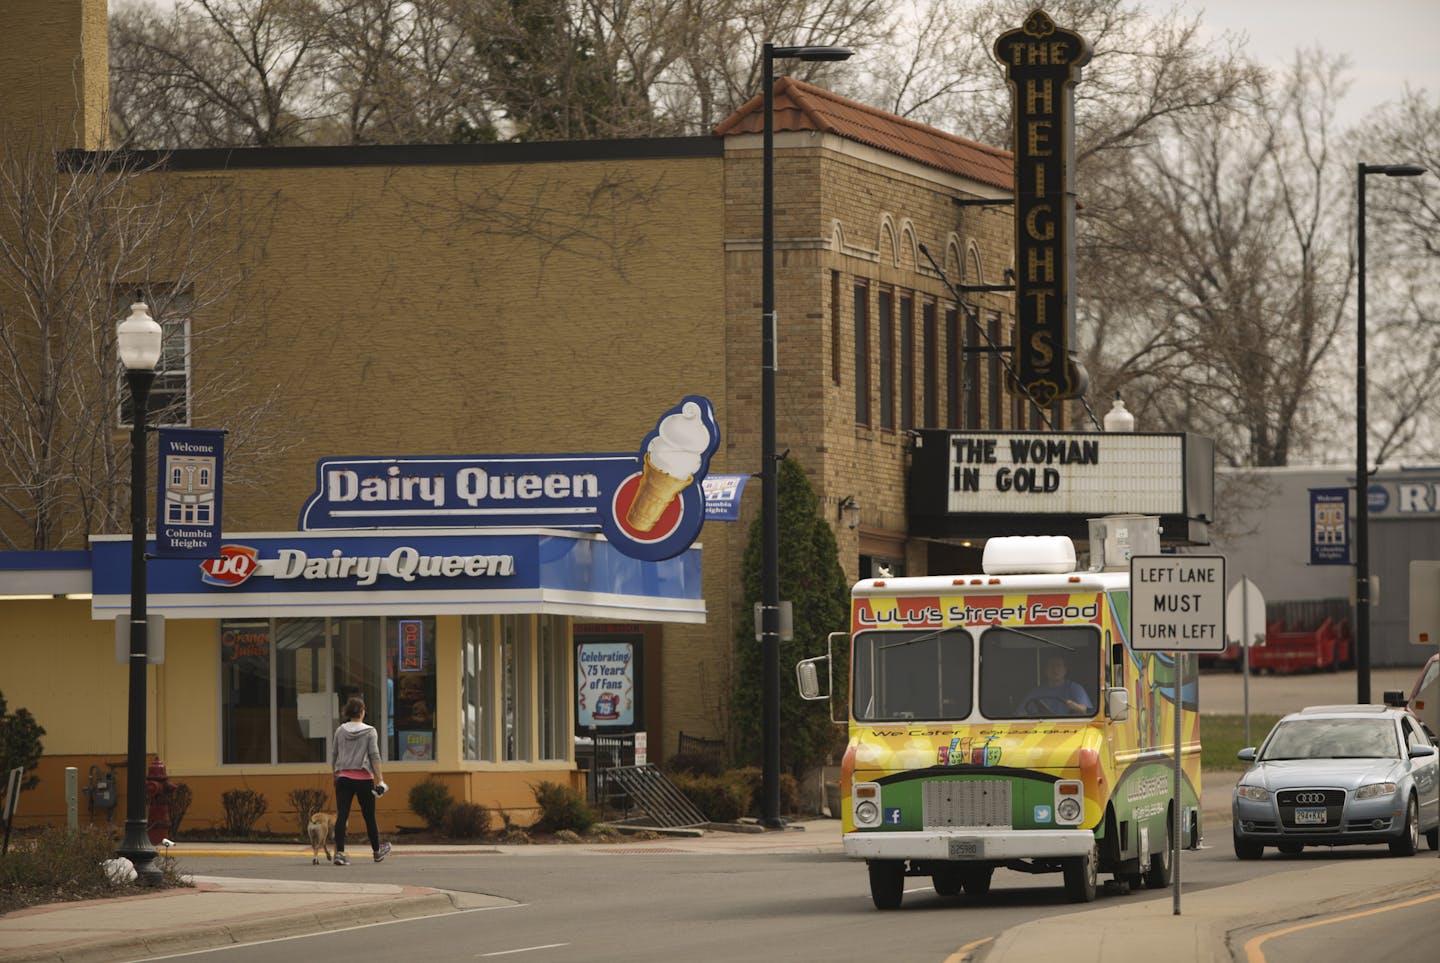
158, 792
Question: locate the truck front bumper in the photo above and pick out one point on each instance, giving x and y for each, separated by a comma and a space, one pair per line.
971, 844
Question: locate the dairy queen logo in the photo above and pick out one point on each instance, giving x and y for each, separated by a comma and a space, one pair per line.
235, 564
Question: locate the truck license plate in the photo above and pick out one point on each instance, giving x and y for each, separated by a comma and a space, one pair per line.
1309, 817
964, 849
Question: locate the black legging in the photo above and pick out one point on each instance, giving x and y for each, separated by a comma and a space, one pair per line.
347, 789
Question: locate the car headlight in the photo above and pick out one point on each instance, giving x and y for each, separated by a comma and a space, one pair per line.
1375, 790
1253, 793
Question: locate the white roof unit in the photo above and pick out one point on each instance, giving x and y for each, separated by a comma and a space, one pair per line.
1029, 555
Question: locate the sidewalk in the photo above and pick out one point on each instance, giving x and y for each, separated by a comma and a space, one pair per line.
1142, 932
217, 912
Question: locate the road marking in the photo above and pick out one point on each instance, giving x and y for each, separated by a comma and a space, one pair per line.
329, 932
963, 954
1253, 953
523, 949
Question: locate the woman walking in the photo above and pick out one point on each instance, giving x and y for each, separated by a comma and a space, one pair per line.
355, 757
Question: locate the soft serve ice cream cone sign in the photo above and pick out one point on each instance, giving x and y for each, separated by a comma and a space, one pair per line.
657, 511
648, 502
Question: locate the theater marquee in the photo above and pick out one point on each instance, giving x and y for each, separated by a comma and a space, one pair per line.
979, 483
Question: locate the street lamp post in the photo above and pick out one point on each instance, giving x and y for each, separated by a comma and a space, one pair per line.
770, 524
138, 338
1362, 468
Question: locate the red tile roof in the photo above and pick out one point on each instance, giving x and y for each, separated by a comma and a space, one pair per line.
802, 106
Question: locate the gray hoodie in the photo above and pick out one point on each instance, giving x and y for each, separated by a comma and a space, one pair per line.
355, 746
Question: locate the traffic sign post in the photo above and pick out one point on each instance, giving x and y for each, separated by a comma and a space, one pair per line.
1245, 607
1177, 605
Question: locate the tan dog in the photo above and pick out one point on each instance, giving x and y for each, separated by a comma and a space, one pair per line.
321, 830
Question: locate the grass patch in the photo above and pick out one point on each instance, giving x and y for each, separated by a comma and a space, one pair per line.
56, 866
1221, 736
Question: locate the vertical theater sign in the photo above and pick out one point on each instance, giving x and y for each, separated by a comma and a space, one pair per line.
1042, 64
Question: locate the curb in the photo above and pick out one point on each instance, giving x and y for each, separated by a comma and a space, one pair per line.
381, 910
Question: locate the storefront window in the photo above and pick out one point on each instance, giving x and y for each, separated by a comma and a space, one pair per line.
284, 683
554, 689
477, 689
410, 662
359, 670
515, 645
304, 707
245, 691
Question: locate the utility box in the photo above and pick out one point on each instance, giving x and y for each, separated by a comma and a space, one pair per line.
1115, 538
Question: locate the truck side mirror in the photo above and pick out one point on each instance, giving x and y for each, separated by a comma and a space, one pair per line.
1117, 704
807, 675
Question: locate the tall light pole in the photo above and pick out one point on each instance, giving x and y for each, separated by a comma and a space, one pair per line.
138, 339
1362, 467
770, 523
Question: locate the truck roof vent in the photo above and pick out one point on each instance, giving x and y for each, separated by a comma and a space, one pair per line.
1029, 554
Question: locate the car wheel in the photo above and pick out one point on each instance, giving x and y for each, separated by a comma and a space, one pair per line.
887, 883
1432, 838
1409, 839
1291, 849
1082, 877
1246, 849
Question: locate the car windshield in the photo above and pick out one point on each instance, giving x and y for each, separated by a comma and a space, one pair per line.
1332, 739
913, 675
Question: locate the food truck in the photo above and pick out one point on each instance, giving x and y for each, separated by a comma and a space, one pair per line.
1003, 720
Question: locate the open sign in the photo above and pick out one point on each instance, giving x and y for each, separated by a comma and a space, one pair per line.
412, 645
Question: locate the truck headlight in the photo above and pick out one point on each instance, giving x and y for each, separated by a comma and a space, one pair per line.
1253, 793
1375, 790
1069, 801
867, 804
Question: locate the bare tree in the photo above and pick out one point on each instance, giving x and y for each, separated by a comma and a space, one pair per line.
77, 238
274, 72
401, 71
1403, 280
215, 73
1219, 273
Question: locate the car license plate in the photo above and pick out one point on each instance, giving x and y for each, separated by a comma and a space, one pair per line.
1309, 817
964, 849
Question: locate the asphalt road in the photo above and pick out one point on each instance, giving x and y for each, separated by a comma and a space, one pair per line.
621, 906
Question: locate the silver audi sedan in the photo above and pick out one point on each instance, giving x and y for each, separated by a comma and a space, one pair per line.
1339, 776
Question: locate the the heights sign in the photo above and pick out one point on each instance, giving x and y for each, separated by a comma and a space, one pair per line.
1042, 64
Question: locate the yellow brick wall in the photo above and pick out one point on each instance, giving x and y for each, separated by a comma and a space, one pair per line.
884, 210
54, 66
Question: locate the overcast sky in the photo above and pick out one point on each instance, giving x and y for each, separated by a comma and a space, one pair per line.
1389, 42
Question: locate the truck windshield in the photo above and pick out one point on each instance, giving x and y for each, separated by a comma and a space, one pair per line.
1037, 671
920, 674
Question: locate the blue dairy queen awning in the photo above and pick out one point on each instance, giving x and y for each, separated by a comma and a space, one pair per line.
405, 573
